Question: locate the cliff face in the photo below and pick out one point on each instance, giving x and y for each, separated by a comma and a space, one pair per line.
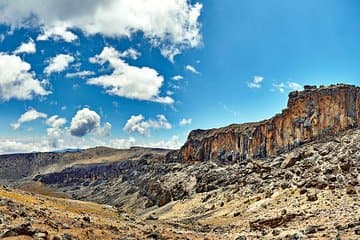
310, 114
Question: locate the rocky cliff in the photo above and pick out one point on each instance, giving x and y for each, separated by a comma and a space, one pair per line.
310, 114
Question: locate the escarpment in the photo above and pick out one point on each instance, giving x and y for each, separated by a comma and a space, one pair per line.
310, 115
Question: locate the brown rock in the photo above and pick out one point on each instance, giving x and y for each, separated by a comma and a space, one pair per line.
312, 197
310, 114
351, 190
290, 159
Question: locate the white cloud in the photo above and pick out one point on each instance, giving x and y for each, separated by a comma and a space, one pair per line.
55, 123
80, 74
171, 25
59, 63
57, 31
168, 92
122, 143
105, 130
13, 146
65, 141
137, 123
28, 116
142, 83
230, 109
85, 121
294, 86
256, 82
185, 121
281, 87
170, 52
172, 143
191, 69
130, 53
16, 80
28, 47
177, 77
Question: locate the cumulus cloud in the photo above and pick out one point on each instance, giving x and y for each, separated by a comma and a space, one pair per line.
142, 83
85, 121
59, 63
177, 77
28, 116
81, 74
256, 82
55, 124
105, 130
137, 123
171, 25
57, 31
185, 121
28, 47
191, 69
16, 80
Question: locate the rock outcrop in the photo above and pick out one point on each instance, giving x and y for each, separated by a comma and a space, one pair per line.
310, 115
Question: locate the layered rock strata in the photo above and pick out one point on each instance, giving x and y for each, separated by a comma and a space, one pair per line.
310, 114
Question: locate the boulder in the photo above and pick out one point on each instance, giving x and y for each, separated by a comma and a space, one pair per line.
291, 159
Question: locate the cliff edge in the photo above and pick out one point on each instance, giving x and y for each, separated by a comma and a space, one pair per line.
310, 115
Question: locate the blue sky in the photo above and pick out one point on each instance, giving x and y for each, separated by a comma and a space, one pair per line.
69, 80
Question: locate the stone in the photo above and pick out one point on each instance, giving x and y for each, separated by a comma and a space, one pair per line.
236, 214
275, 232
40, 236
311, 229
22, 229
65, 226
68, 236
351, 190
303, 191
357, 231
151, 217
295, 236
86, 219
241, 237
312, 197
290, 159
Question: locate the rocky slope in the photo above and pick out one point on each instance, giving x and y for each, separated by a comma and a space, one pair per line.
14, 167
310, 114
26, 216
309, 192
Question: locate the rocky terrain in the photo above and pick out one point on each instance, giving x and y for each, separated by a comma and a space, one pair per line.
14, 167
306, 189
313, 186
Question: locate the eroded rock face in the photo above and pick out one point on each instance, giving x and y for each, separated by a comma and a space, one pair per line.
310, 114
